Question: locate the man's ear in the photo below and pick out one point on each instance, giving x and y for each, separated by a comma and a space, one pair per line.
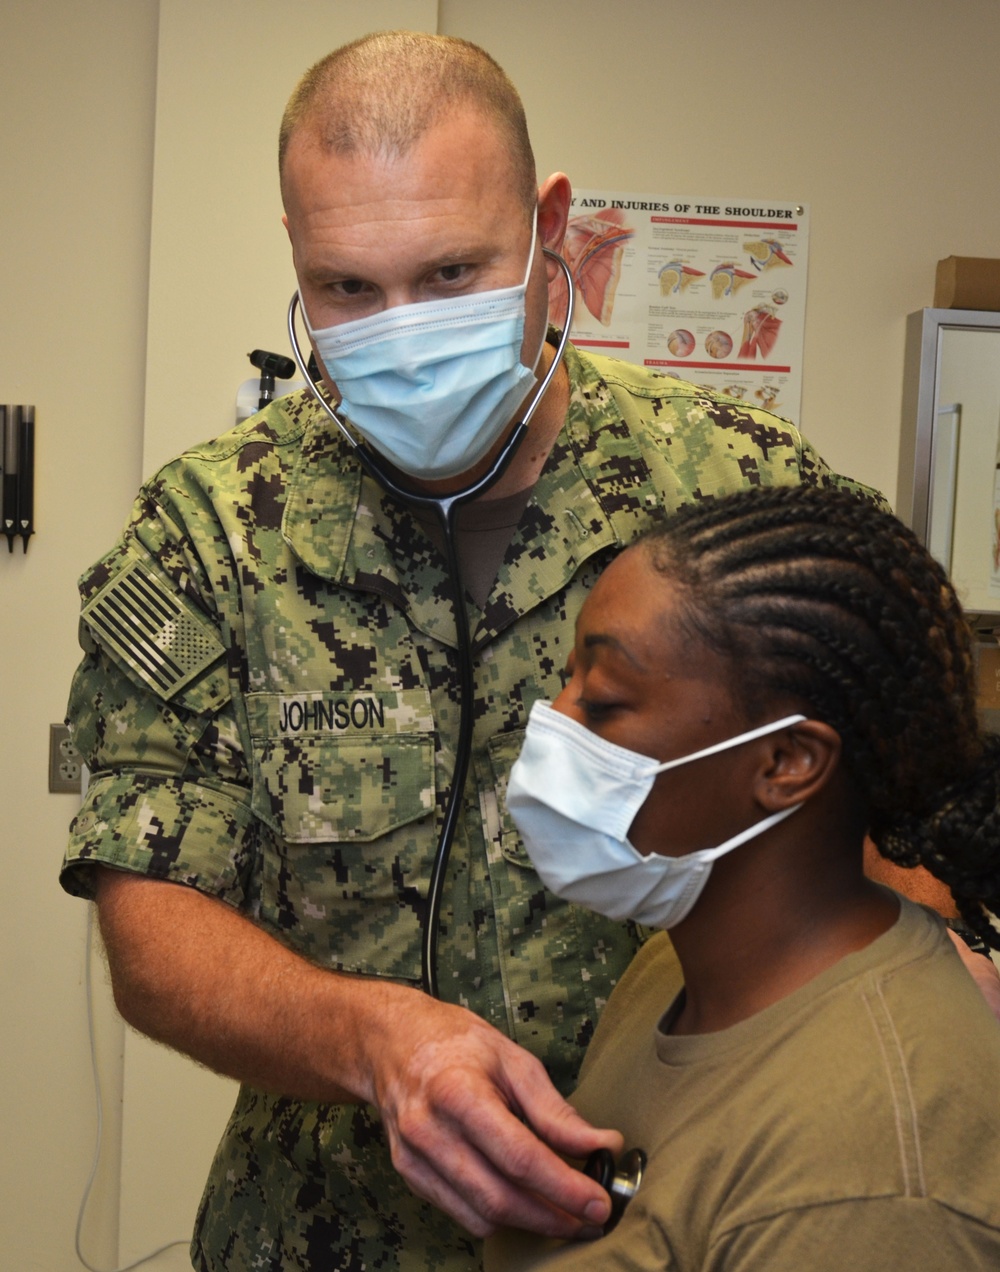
288, 231
554, 195
798, 762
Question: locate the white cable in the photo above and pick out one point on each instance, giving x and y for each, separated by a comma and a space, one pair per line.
100, 1120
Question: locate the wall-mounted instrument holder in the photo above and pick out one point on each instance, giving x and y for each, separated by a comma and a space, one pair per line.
17, 432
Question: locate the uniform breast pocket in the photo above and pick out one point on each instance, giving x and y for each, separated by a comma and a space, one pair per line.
350, 837
313, 789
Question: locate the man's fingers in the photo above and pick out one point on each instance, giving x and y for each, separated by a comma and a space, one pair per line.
483, 1195
552, 1118
513, 1164
424, 1179
559, 1124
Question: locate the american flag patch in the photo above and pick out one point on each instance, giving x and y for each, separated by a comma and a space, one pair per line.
152, 631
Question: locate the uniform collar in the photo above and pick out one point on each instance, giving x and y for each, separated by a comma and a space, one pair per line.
344, 528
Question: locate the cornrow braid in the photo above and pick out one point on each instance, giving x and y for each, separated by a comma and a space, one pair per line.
817, 594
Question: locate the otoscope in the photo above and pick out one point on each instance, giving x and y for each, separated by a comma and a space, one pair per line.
446, 507
271, 366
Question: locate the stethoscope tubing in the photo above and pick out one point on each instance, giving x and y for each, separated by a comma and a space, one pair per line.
446, 507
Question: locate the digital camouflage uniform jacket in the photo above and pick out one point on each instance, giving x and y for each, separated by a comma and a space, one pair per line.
267, 707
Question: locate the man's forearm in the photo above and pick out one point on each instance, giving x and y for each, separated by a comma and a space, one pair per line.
194, 974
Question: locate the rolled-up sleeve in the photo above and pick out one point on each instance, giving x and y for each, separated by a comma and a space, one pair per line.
153, 717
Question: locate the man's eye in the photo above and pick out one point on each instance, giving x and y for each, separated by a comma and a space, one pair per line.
350, 286
451, 273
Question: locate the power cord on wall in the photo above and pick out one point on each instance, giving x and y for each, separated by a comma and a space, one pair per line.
88, 982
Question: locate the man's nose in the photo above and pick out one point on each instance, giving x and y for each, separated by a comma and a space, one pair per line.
395, 297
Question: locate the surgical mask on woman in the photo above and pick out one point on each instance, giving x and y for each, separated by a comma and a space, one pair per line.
432, 385
574, 795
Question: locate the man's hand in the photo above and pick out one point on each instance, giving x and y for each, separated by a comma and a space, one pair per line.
466, 1111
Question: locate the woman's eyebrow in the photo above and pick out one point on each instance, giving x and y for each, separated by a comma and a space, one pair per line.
612, 642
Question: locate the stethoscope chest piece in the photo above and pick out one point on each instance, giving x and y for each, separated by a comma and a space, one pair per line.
620, 1182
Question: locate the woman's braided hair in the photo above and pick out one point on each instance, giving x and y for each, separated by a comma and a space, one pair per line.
816, 593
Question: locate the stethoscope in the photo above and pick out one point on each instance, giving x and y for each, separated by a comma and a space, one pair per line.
446, 507
620, 1181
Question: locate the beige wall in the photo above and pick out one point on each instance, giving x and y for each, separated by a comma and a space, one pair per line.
878, 116
76, 130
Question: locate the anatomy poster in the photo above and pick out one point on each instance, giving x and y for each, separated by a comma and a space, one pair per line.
709, 290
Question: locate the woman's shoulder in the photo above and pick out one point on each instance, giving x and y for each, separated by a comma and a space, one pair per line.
650, 984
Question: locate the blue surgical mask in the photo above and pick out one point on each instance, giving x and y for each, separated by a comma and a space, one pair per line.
431, 386
573, 797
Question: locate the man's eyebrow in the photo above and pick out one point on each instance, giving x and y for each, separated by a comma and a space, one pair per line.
612, 642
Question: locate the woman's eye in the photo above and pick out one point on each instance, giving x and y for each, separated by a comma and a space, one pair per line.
595, 710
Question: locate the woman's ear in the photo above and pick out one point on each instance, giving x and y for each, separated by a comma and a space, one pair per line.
797, 763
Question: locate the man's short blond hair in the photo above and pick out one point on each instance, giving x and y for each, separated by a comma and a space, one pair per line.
380, 94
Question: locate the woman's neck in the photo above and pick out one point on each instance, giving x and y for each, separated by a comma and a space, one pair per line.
768, 923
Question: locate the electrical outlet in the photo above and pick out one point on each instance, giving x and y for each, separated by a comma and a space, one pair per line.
65, 764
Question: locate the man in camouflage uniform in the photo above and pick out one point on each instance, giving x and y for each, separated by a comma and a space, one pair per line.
268, 705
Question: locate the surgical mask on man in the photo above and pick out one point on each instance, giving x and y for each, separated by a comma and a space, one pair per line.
432, 385
573, 796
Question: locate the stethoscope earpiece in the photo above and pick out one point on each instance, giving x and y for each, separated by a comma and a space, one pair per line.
621, 1183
